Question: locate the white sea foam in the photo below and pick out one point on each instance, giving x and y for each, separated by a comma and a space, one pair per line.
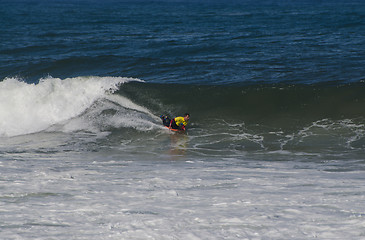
29, 108
102, 197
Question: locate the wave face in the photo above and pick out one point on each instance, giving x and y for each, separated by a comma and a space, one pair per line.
263, 117
258, 103
224, 119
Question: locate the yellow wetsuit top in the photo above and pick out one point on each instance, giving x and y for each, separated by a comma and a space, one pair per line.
180, 121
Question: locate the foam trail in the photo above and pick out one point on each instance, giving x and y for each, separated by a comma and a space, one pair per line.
126, 103
29, 108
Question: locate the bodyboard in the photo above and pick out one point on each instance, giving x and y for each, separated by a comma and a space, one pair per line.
175, 130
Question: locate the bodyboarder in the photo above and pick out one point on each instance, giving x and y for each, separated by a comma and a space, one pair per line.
177, 122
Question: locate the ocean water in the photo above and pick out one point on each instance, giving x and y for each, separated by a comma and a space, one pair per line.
274, 148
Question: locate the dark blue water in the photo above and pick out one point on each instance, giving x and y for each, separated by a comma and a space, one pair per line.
189, 42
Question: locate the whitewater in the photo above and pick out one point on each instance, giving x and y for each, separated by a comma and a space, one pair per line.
102, 197
30, 108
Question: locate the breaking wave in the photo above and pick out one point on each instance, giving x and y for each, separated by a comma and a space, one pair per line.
69, 105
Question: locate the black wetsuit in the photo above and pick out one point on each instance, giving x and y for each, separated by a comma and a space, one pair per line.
167, 121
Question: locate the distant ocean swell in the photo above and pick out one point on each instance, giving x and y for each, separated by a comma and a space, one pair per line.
200, 42
260, 117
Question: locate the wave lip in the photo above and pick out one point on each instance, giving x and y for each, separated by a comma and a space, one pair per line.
29, 108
